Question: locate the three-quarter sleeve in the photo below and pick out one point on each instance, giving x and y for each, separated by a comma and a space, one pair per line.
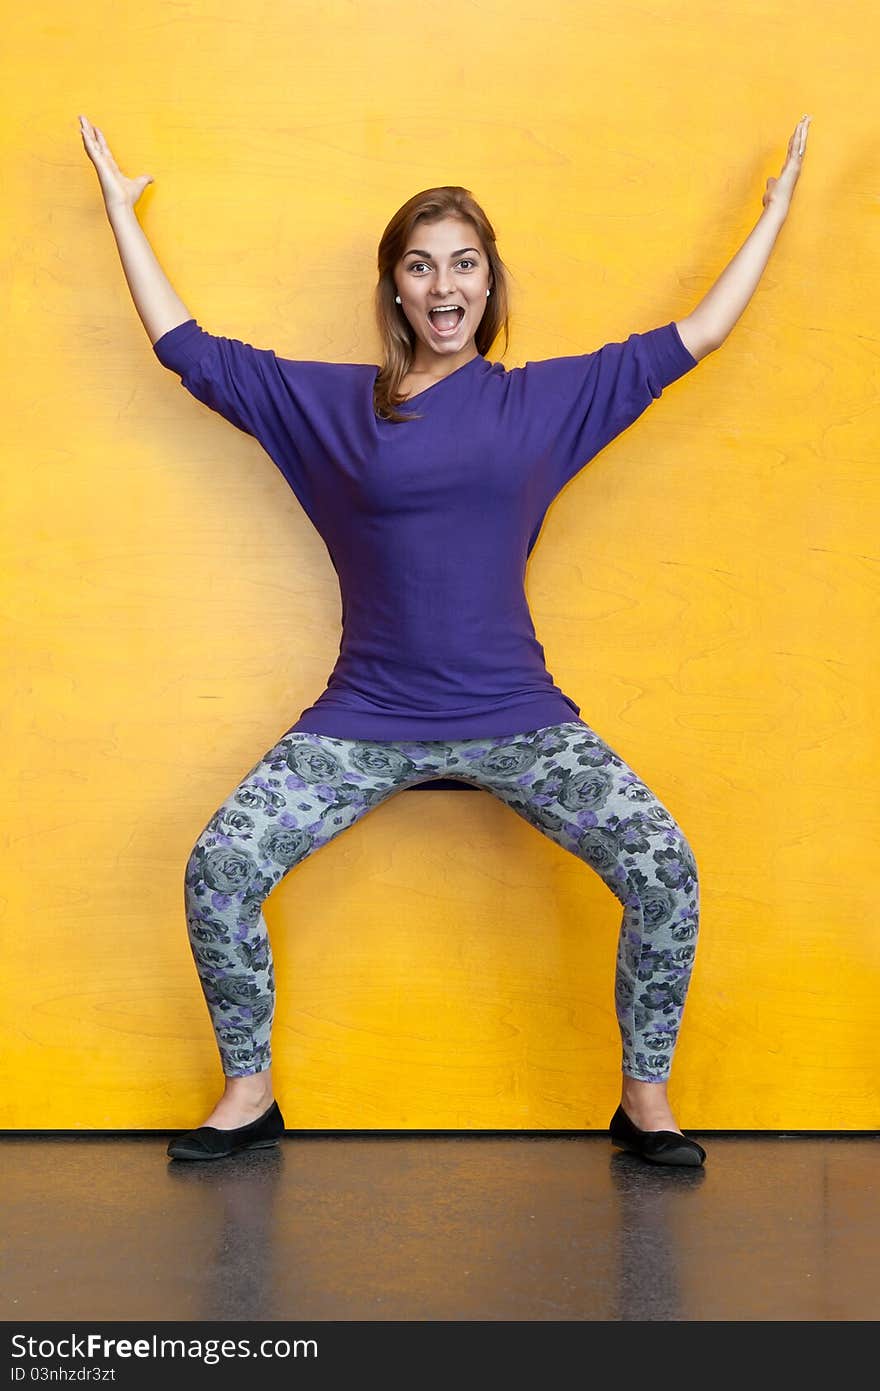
240, 382
585, 401
291, 407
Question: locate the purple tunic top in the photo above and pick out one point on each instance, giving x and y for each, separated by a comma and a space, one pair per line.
429, 524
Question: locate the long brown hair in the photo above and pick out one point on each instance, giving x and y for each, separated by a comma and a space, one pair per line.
398, 339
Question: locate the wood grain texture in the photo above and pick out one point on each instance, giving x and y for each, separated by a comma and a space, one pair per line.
706, 589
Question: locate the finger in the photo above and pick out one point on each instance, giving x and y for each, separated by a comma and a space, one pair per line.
803, 129
105, 148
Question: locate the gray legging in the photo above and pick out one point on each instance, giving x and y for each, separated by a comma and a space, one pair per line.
563, 779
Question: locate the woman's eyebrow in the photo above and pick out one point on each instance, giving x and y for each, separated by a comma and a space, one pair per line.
414, 251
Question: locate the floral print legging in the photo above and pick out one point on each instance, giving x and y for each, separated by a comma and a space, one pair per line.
563, 779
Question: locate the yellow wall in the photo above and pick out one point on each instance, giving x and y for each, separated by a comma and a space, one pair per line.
705, 590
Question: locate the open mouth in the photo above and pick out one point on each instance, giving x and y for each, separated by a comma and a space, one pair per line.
444, 322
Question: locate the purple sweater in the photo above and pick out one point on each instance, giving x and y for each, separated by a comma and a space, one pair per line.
429, 524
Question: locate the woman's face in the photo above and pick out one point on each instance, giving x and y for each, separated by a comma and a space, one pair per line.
444, 263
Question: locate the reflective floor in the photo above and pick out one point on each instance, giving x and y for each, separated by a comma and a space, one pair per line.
441, 1227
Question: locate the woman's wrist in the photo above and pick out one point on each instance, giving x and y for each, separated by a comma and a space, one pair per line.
116, 211
776, 212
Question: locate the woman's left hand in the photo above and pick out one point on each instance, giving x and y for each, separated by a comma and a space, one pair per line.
779, 191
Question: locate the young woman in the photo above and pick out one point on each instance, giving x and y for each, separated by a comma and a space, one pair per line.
429, 478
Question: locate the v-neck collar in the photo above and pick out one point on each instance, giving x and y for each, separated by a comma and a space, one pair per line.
416, 395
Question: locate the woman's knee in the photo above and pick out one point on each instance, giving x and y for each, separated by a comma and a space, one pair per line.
676, 861
658, 876
222, 862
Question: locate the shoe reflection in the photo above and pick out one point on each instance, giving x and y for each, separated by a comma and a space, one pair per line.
655, 1211
236, 1200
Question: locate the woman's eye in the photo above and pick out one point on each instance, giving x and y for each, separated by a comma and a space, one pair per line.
464, 261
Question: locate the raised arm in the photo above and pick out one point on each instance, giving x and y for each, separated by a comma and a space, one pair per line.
707, 326
154, 296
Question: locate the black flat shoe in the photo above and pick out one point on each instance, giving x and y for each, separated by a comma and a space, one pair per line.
659, 1146
210, 1143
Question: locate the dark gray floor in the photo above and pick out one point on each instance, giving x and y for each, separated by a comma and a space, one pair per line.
440, 1227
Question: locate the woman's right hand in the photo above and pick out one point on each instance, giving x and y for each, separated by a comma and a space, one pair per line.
118, 191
